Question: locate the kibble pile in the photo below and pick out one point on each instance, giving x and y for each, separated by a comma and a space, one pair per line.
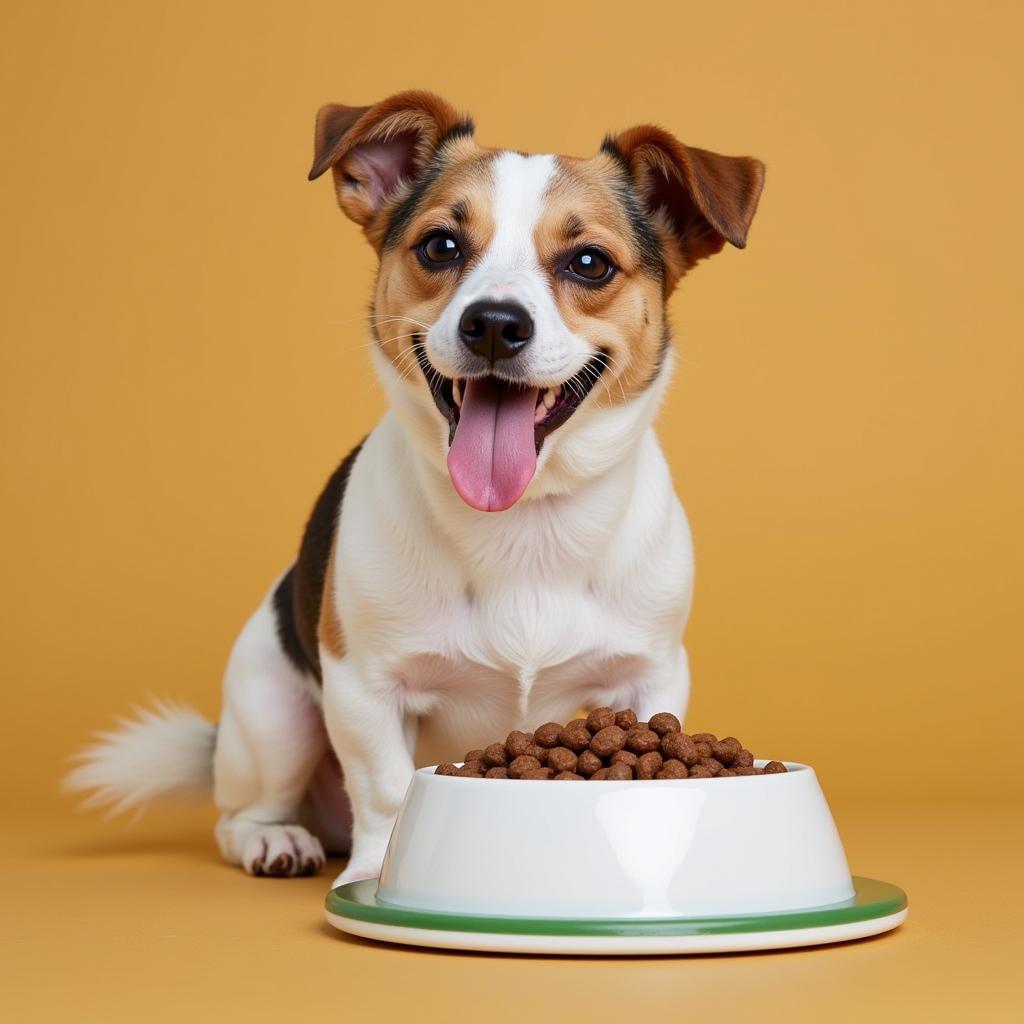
611, 745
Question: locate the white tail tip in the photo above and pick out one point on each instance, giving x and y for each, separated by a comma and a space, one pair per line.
163, 751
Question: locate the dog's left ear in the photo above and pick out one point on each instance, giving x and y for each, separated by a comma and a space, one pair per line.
697, 200
375, 151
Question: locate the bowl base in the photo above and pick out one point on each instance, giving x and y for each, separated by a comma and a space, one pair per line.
876, 907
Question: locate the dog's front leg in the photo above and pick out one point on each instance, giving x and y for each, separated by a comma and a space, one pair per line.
667, 688
368, 727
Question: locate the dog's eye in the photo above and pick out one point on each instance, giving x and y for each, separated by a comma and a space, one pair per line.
439, 249
591, 265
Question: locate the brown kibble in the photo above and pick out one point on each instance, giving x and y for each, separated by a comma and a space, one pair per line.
600, 718
575, 736
611, 745
642, 741
547, 735
673, 769
664, 722
523, 763
562, 759
608, 740
681, 747
517, 743
625, 719
495, 756
726, 750
541, 753
648, 765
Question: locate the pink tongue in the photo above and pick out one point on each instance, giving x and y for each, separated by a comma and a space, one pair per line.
493, 456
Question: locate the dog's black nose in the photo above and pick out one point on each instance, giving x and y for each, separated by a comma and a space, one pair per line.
495, 330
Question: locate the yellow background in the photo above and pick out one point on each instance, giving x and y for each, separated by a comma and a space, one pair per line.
183, 364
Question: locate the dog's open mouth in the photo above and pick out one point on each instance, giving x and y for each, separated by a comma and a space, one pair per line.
497, 428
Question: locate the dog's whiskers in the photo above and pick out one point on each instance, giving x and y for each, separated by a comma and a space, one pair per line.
399, 337
405, 362
610, 364
376, 340
402, 319
573, 385
373, 318
593, 376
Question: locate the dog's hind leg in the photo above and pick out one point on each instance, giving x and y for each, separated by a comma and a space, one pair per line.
270, 742
326, 811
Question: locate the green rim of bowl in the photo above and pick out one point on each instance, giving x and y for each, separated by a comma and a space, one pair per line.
872, 899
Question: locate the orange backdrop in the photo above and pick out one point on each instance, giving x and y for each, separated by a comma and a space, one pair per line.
183, 354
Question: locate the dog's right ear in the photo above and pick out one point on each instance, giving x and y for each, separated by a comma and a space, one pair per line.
374, 152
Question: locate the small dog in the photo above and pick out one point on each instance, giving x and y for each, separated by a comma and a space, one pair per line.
520, 329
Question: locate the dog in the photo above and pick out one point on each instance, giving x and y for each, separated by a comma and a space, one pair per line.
506, 546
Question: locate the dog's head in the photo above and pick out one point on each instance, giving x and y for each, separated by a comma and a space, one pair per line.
519, 311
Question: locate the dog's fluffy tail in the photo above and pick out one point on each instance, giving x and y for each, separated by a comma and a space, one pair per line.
163, 751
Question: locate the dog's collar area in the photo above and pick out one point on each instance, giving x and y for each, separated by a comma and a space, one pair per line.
554, 405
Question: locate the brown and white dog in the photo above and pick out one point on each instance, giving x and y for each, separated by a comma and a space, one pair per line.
520, 328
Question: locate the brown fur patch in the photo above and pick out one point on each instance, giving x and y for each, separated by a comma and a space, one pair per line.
625, 317
407, 294
698, 200
407, 125
329, 631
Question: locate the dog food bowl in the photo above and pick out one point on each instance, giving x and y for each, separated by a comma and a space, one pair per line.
660, 866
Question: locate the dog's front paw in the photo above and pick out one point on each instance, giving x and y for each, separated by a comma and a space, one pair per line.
365, 862
282, 851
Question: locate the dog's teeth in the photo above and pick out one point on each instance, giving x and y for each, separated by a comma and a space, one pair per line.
457, 392
540, 413
550, 397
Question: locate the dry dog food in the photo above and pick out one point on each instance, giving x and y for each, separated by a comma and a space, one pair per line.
612, 745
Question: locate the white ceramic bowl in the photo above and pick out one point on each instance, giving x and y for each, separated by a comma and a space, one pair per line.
662, 848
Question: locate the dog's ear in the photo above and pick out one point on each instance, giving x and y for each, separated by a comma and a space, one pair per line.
698, 200
375, 151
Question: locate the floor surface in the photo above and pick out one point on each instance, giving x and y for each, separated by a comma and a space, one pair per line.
108, 921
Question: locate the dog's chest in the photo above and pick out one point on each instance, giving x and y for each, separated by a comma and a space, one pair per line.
524, 649
526, 629
515, 618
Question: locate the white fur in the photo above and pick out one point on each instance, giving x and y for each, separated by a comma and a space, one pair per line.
471, 626
270, 741
462, 625
164, 751
510, 271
